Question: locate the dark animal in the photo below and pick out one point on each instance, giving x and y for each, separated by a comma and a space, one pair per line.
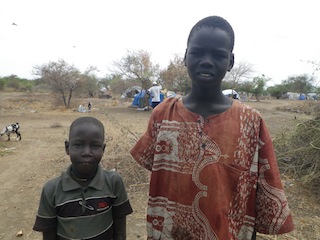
10, 129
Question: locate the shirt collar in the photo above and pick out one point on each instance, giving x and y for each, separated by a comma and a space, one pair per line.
69, 184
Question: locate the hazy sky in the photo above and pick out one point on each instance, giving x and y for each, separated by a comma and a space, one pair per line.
278, 37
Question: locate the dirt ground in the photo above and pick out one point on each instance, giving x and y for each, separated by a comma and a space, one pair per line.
27, 164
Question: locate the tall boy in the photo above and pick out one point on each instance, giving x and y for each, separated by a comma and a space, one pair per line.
214, 171
86, 201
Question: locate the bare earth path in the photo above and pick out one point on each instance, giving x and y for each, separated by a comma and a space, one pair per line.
26, 165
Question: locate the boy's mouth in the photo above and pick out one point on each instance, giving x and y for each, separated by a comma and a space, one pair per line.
86, 162
205, 75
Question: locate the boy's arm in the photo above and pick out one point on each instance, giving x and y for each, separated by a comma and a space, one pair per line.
119, 228
49, 235
254, 236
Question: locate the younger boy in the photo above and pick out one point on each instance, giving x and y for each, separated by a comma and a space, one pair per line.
86, 201
214, 173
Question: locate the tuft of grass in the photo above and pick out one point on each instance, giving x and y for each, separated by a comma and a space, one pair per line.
3, 149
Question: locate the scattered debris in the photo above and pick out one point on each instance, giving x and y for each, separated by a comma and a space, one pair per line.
19, 234
8, 149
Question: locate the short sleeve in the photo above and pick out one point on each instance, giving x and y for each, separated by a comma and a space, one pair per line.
143, 151
46, 219
273, 213
121, 205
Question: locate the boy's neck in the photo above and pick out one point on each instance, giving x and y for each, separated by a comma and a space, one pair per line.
207, 105
208, 96
80, 178
84, 182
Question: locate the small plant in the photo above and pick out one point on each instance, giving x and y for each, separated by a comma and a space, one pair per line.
3, 149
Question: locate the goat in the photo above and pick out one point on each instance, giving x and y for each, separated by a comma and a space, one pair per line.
10, 129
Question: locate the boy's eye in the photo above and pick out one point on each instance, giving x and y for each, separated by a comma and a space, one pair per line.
77, 145
96, 146
221, 55
195, 52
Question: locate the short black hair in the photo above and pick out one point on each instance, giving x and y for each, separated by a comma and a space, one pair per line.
82, 120
214, 22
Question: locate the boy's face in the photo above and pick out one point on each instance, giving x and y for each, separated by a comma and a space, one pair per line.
85, 147
209, 56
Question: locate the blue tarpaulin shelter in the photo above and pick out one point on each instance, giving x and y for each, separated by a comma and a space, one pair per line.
137, 100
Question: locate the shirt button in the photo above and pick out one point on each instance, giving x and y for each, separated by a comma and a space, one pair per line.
203, 145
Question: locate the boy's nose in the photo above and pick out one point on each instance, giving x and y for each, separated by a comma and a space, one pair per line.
87, 150
206, 61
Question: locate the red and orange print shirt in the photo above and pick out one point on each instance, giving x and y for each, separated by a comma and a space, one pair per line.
213, 178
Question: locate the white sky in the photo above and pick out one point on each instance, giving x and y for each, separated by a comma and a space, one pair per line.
273, 35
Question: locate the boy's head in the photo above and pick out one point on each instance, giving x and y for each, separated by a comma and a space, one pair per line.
85, 146
209, 52
214, 22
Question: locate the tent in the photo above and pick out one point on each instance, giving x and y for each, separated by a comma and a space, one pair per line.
137, 99
130, 92
231, 92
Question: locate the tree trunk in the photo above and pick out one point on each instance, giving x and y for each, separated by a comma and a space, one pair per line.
69, 99
64, 99
145, 101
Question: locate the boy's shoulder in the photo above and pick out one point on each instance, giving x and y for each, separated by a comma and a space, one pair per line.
167, 104
52, 184
104, 176
245, 108
111, 174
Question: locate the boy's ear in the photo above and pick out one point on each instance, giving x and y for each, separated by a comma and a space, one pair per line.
231, 63
66, 146
185, 58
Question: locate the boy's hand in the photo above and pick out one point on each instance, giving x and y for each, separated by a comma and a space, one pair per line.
119, 229
49, 235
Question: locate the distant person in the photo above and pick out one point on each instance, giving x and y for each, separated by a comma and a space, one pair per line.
155, 92
86, 201
214, 173
89, 106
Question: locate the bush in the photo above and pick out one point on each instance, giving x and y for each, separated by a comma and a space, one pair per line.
299, 153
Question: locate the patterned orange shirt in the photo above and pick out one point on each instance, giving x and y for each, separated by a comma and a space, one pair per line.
213, 178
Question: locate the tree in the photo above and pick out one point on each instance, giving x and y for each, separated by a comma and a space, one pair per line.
246, 87
89, 82
299, 84
62, 78
137, 65
239, 72
302, 83
117, 84
17, 84
259, 84
256, 86
316, 65
277, 91
175, 76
